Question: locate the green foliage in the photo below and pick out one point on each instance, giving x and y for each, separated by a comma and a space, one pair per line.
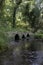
21, 12
38, 36
3, 41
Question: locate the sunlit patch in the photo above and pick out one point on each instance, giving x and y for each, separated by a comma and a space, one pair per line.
8, 10
7, 2
4, 15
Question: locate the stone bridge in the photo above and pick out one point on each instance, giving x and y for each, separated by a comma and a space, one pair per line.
19, 35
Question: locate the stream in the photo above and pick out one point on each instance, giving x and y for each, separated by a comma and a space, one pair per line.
23, 53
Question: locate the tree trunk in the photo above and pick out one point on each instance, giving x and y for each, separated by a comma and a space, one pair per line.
15, 8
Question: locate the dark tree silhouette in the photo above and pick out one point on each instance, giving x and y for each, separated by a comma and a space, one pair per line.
14, 13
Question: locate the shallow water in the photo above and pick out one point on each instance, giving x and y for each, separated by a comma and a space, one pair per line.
23, 53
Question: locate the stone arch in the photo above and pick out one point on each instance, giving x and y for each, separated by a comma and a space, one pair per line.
17, 37
23, 37
27, 35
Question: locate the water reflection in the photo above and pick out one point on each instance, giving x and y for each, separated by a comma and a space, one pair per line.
23, 53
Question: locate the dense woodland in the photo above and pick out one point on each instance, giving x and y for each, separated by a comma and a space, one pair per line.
21, 15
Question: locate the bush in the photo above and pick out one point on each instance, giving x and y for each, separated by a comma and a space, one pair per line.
3, 41
38, 36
